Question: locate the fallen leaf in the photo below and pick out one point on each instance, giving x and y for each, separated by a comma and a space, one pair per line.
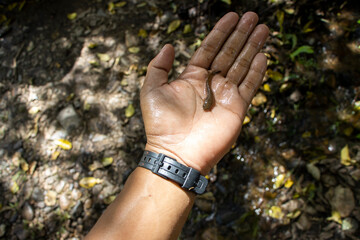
227, 1
72, 16
307, 27
106, 161
276, 212
129, 111
259, 99
279, 181
134, 49
187, 29
95, 165
294, 214
103, 57
92, 45
142, 33
111, 8
288, 183
64, 144
109, 199
313, 170
335, 216
173, 26
89, 182
246, 120
280, 17
306, 134
274, 75
14, 187
120, 4
266, 87
345, 156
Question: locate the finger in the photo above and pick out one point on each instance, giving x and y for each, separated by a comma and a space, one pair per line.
211, 45
240, 68
159, 67
253, 79
235, 42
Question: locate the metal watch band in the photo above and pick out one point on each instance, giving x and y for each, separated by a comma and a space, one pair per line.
168, 168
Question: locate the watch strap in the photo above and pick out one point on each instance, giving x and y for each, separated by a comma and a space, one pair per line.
168, 168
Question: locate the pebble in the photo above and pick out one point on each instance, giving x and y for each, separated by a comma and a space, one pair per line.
50, 198
295, 96
68, 118
60, 186
349, 225
76, 194
2, 230
87, 203
37, 195
27, 211
259, 99
64, 202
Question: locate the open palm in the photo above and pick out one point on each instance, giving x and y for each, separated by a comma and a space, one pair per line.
175, 121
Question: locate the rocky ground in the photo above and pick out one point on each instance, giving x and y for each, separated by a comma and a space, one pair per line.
71, 129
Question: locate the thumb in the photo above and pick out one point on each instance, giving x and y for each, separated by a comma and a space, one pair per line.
159, 67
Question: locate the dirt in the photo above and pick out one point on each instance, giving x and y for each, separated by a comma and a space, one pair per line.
78, 80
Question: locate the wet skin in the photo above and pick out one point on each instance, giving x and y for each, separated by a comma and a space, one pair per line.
209, 100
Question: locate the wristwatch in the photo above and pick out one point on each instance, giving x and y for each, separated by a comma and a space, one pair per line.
168, 168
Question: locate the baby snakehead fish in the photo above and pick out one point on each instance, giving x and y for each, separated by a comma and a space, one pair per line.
209, 100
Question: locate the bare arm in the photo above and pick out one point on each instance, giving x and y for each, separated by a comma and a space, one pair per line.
150, 207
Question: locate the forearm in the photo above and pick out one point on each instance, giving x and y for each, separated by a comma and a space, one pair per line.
149, 207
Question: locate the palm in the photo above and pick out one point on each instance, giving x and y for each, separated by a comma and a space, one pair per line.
175, 121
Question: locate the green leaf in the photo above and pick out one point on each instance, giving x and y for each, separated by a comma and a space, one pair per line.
187, 29
173, 26
358, 21
227, 1
280, 17
303, 49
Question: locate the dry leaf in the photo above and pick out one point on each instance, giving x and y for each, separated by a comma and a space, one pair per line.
89, 182
129, 111
246, 120
134, 49
345, 156
335, 216
276, 212
173, 26
142, 33
266, 87
55, 155
288, 183
64, 144
106, 161
187, 28
279, 181
103, 57
72, 16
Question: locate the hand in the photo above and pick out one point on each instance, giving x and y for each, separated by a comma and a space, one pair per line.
175, 121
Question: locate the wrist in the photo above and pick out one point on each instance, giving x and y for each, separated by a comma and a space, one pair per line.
179, 157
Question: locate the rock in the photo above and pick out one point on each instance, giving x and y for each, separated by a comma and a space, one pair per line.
68, 118
203, 205
349, 225
76, 194
50, 198
295, 96
343, 201
20, 232
37, 195
64, 202
27, 211
88, 203
303, 223
60, 186
2, 230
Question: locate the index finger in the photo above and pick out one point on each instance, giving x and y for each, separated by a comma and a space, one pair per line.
205, 54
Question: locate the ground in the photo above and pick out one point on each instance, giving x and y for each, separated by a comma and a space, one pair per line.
71, 129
